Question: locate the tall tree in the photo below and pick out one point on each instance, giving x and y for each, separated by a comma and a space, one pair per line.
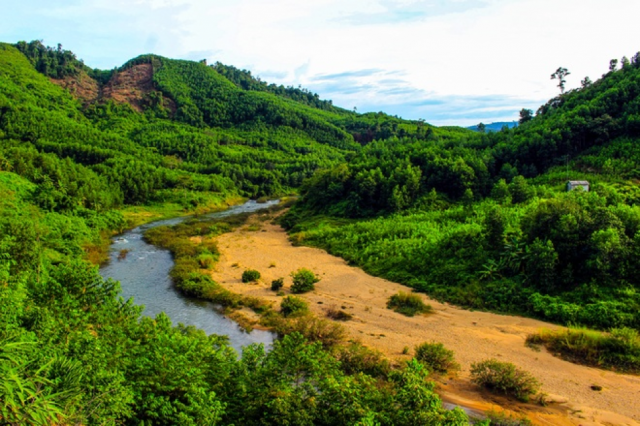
560, 74
525, 115
613, 64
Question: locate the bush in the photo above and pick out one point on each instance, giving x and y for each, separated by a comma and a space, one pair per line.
356, 358
293, 306
276, 285
303, 281
436, 357
250, 275
206, 260
338, 314
312, 328
505, 378
408, 304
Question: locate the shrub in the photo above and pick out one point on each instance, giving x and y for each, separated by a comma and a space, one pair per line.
276, 285
250, 275
303, 281
505, 378
206, 260
356, 358
292, 306
312, 328
338, 314
436, 357
408, 304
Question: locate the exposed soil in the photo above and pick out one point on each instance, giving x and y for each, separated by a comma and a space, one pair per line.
130, 85
127, 86
473, 336
81, 87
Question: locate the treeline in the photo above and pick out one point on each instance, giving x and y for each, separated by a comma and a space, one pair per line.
396, 173
246, 81
57, 62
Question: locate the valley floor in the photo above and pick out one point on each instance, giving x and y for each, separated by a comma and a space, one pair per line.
473, 336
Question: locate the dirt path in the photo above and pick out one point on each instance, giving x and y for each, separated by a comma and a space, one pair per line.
473, 336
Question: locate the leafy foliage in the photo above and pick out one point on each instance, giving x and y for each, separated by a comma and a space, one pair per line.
304, 281
250, 275
292, 306
504, 377
277, 284
436, 357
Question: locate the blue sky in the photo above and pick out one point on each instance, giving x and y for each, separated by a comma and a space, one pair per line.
450, 62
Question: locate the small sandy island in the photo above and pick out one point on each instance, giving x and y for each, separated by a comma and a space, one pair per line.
473, 336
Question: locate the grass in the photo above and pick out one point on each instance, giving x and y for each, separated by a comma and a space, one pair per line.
505, 378
500, 418
617, 350
436, 357
408, 304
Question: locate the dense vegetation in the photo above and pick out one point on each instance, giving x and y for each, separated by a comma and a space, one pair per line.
484, 220
478, 219
617, 350
71, 350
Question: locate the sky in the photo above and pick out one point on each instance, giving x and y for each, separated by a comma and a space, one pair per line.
449, 62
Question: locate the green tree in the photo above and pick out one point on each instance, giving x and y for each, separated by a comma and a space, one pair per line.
525, 115
501, 193
560, 75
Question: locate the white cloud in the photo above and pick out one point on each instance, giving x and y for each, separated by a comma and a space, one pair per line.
444, 53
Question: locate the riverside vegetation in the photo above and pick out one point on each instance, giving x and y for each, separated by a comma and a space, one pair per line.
81, 148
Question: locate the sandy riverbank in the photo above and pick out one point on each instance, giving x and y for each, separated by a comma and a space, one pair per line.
473, 336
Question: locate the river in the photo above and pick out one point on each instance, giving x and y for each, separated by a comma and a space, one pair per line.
144, 276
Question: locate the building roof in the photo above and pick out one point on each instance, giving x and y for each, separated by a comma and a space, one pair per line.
578, 182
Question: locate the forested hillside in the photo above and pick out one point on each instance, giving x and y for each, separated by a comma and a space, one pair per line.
484, 220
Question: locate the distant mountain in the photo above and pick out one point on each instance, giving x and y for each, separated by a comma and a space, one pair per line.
495, 127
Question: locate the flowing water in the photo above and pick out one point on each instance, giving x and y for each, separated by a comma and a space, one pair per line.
144, 276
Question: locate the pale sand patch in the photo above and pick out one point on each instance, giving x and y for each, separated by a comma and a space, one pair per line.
473, 336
